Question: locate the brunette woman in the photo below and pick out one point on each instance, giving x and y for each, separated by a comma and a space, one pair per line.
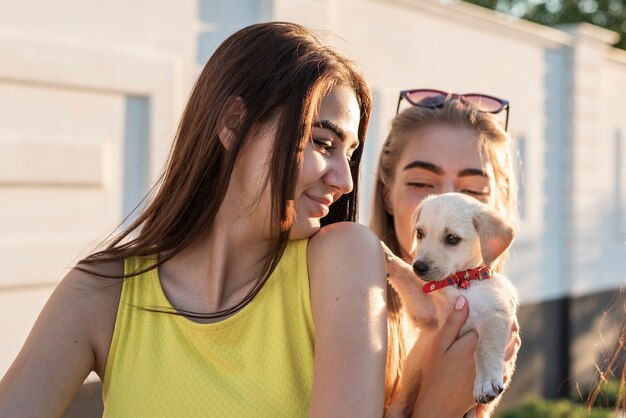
240, 290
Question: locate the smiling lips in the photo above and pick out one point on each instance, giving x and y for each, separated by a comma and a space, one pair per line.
320, 205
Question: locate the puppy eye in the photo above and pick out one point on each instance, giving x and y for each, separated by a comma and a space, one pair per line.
453, 239
420, 233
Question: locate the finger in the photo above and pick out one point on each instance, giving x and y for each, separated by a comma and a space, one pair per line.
509, 363
510, 357
512, 348
463, 348
451, 328
509, 369
514, 334
515, 327
480, 410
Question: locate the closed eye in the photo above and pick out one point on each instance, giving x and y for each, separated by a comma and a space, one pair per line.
351, 162
323, 146
475, 192
326, 148
419, 185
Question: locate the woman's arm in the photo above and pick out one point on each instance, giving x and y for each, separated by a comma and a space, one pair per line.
59, 351
348, 286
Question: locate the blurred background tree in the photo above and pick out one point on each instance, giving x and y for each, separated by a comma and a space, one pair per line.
609, 14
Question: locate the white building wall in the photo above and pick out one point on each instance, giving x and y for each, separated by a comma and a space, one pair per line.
610, 268
68, 71
591, 163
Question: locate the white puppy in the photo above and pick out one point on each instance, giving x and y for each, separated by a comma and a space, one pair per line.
457, 239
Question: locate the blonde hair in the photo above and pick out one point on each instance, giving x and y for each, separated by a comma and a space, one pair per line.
494, 147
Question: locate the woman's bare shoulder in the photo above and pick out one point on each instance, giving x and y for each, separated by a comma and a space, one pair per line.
90, 293
345, 257
93, 287
345, 239
100, 279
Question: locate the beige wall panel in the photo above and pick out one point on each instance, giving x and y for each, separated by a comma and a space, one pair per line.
50, 113
56, 212
144, 25
43, 258
61, 176
31, 163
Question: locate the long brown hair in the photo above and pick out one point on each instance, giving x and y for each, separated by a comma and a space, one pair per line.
494, 146
275, 69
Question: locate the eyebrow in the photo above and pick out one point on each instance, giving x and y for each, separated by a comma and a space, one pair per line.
426, 166
472, 172
336, 129
437, 170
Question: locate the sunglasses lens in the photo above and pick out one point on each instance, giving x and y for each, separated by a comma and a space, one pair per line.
435, 99
483, 103
426, 98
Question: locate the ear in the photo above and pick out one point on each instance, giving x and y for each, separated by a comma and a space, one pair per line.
496, 234
387, 199
233, 112
414, 220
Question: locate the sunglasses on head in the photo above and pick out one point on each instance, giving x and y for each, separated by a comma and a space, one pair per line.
435, 99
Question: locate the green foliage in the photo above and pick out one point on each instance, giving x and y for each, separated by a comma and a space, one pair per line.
562, 408
607, 395
609, 14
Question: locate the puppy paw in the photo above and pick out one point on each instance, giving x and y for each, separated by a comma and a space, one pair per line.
486, 390
395, 265
390, 257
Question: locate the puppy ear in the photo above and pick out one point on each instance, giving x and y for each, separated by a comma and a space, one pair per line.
414, 220
496, 234
233, 112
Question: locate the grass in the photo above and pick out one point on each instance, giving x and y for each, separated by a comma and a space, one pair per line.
604, 405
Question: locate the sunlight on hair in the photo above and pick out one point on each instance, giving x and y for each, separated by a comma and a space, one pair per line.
377, 301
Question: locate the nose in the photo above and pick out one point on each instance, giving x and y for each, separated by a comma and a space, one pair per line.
340, 176
447, 186
420, 267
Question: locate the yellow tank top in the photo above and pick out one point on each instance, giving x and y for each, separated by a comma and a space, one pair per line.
256, 363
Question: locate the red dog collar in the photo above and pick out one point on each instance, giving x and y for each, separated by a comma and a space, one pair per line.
460, 279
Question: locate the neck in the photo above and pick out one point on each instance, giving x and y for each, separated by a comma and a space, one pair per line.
218, 269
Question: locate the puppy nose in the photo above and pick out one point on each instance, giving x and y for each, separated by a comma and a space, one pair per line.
420, 267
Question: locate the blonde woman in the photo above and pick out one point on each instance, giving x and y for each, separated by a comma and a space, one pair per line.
441, 143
